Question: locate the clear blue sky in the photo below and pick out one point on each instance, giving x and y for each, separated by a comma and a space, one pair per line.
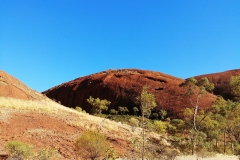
44, 43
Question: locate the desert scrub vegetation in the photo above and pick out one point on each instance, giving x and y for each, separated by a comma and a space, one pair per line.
19, 150
98, 104
215, 129
79, 109
22, 151
47, 153
91, 145
200, 131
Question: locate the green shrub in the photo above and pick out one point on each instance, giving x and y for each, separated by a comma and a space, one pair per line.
91, 145
134, 123
110, 154
98, 104
79, 109
113, 112
19, 150
47, 154
160, 126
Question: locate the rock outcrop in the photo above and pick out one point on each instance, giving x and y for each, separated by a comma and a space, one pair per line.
121, 87
12, 87
221, 82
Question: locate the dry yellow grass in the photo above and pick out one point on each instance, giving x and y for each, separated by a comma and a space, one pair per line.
216, 157
45, 105
68, 115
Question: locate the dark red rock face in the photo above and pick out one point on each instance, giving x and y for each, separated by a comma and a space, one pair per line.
221, 82
121, 87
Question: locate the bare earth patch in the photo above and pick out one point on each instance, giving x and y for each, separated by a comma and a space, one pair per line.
40, 130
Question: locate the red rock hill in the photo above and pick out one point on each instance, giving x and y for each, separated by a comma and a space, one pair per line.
121, 87
12, 87
221, 82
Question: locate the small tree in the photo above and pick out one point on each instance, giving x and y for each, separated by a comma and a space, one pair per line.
91, 145
122, 110
227, 116
235, 86
194, 90
125, 110
154, 116
191, 85
147, 102
19, 150
163, 114
98, 104
134, 123
135, 110
113, 112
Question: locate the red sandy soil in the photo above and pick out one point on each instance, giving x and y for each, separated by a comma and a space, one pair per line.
43, 129
40, 130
